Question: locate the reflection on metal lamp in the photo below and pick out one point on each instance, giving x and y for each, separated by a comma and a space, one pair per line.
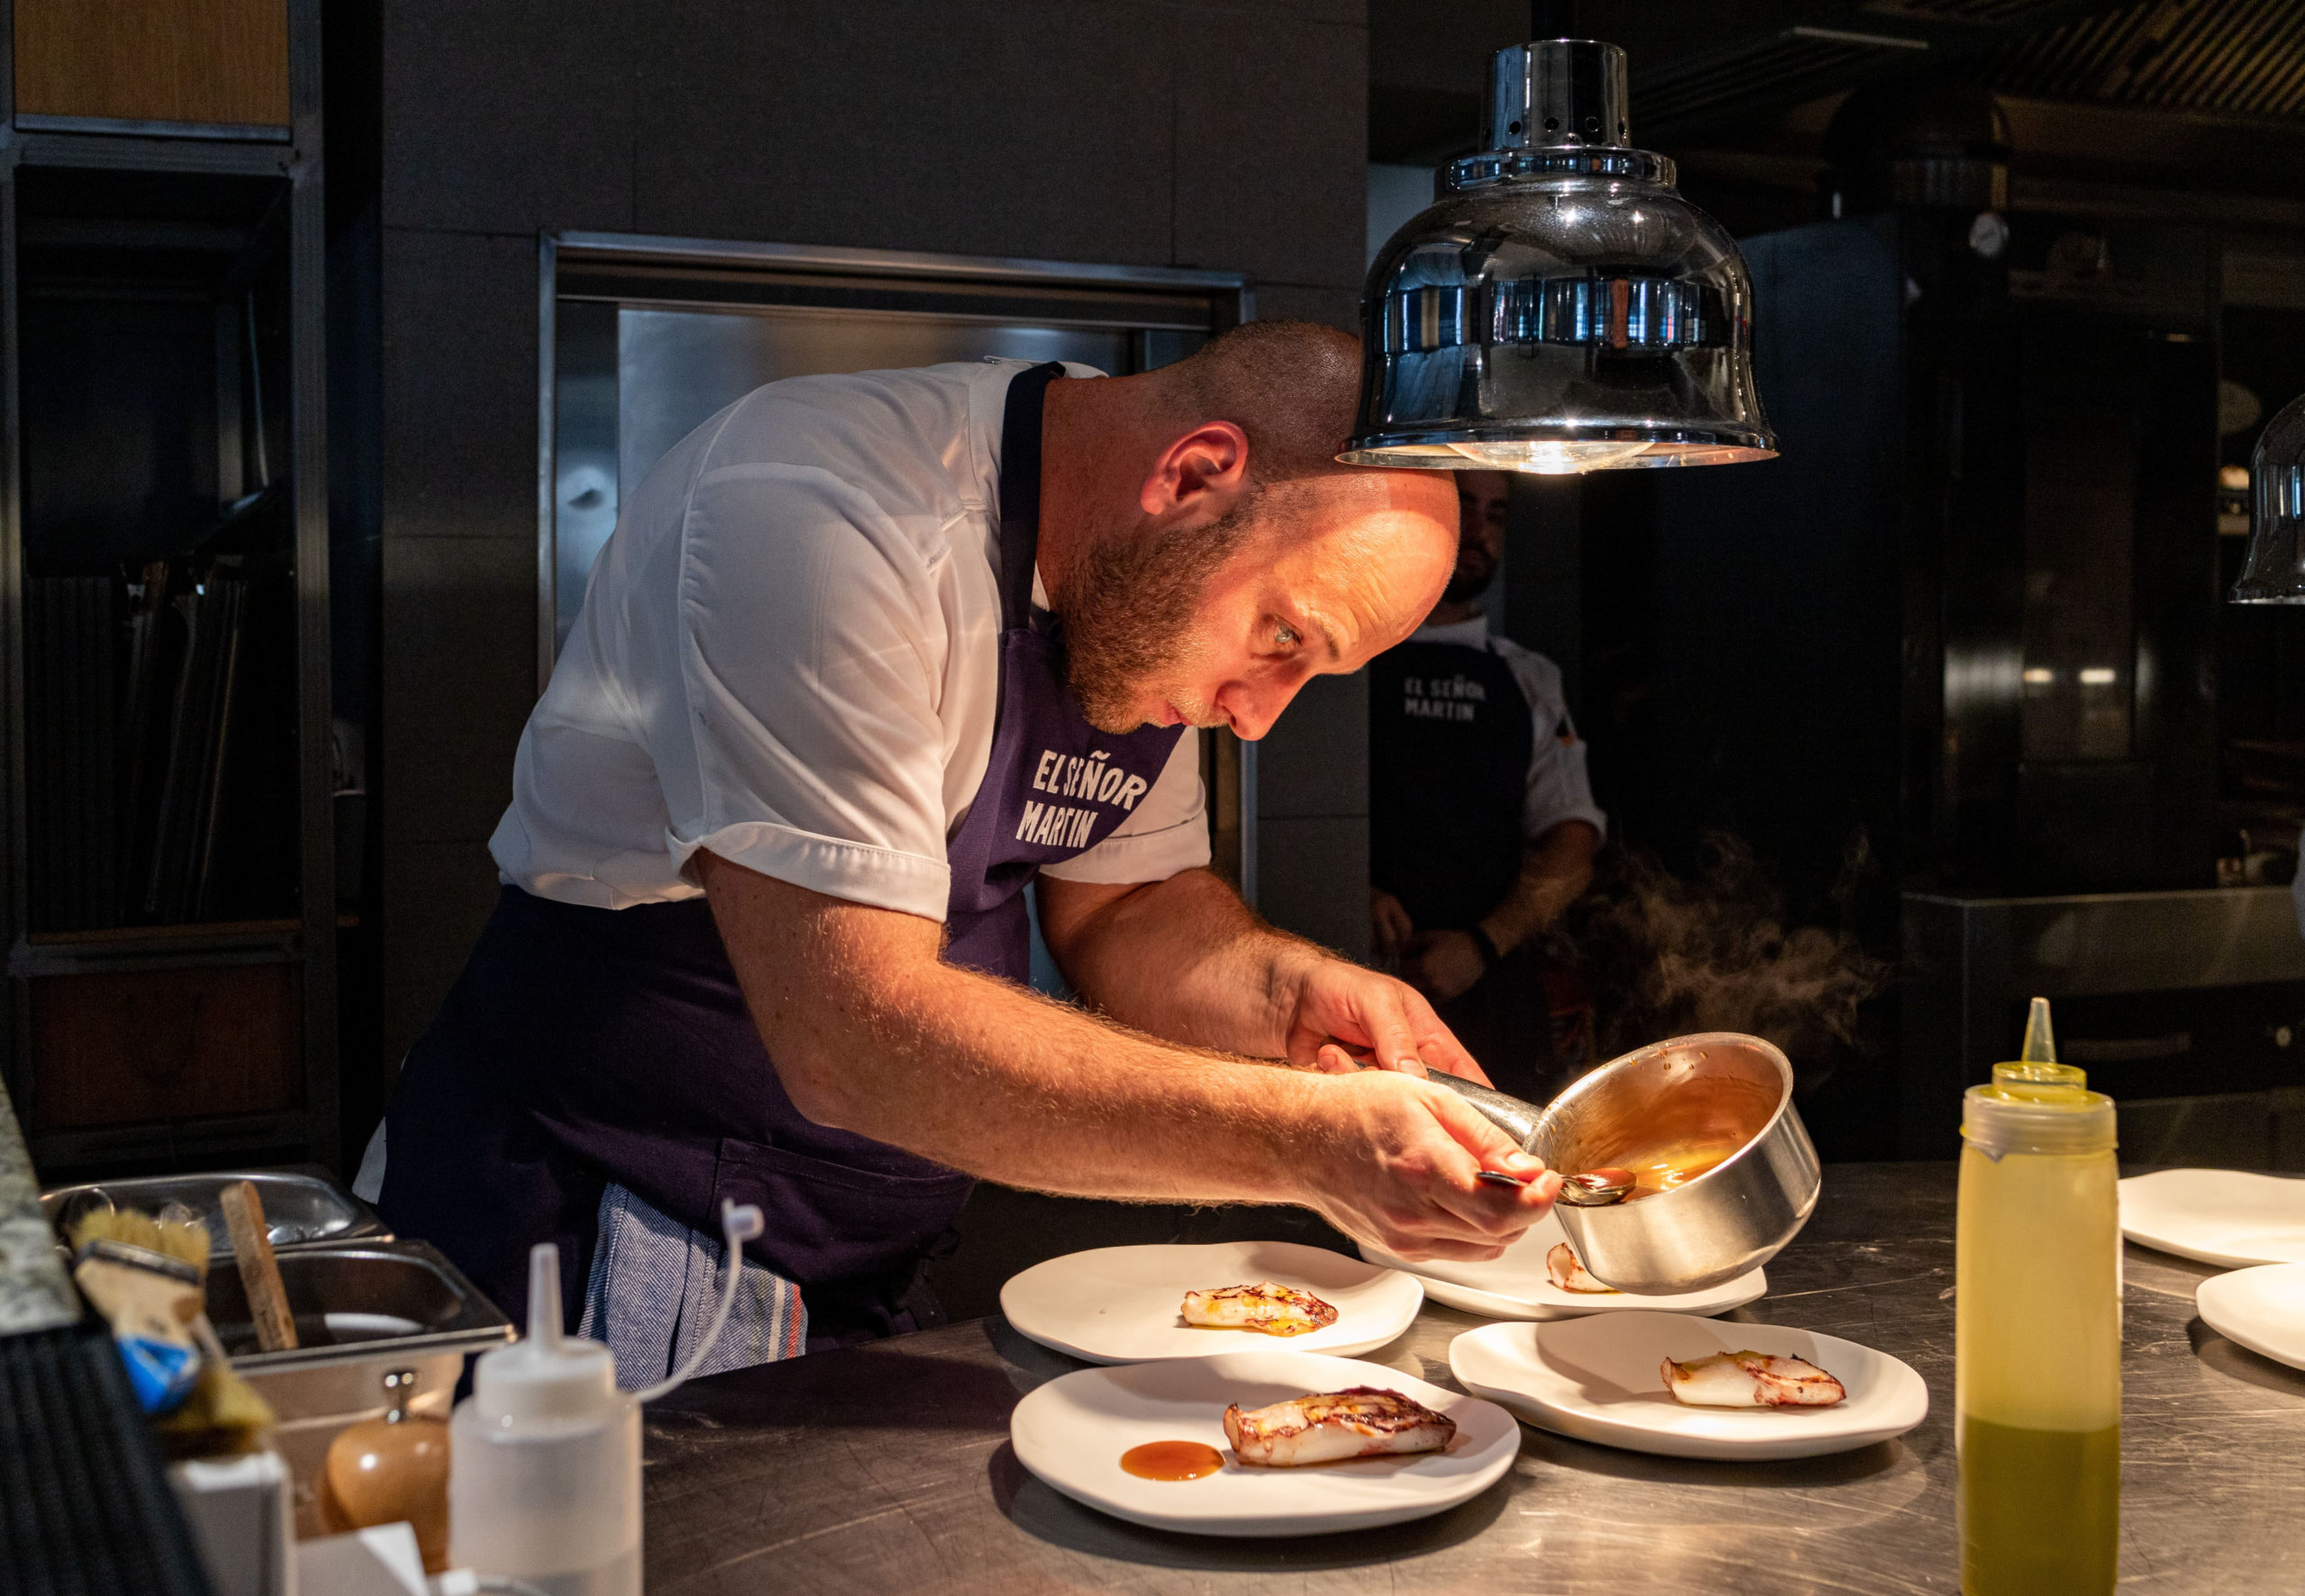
1560, 308
2273, 571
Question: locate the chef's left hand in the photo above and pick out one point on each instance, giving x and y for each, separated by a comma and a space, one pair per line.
1346, 1016
1443, 964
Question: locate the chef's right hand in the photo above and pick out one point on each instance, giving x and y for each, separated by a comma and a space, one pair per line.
1396, 1162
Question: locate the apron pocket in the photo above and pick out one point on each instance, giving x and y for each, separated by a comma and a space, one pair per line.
835, 1222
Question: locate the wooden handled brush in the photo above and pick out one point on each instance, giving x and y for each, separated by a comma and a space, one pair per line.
275, 1327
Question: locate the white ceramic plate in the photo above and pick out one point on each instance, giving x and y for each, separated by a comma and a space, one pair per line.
2217, 1216
1516, 1286
2263, 1309
1597, 1379
1124, 1304
1073, 1430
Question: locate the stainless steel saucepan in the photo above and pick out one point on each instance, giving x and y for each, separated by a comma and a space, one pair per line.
1715, 1093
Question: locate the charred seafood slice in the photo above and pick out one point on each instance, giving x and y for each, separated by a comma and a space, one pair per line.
1364, 1421
1751, 1380
1276, 1310
1566, 1274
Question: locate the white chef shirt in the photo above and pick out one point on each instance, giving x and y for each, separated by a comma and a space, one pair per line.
1556, 787
788, 653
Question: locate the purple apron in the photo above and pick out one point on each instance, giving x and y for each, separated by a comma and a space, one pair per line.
586, 1045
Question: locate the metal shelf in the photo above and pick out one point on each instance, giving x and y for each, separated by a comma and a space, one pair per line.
157, 947
130, 153
214, 1143
293, 155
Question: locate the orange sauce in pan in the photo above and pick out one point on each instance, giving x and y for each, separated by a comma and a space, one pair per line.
1654, 1173
1172, 1460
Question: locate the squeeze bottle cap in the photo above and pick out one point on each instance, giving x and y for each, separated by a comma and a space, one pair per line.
545, 1374
2037, 1062
2036, 1105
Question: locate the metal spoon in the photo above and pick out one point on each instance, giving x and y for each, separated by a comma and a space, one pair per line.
1596, 1188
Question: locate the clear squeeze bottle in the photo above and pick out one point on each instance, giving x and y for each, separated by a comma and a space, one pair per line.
2038, 1332
544, 1476
544, 1483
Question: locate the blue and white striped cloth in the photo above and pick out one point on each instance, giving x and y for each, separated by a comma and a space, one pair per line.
654, 1288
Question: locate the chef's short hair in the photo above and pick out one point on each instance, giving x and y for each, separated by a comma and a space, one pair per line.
1294, 387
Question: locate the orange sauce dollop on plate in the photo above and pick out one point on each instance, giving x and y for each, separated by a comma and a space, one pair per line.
1172, 1460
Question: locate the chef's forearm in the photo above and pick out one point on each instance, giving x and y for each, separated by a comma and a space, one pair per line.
1555, 870
1183, 959
872, 1032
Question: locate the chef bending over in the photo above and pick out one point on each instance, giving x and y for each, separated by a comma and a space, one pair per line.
866, 656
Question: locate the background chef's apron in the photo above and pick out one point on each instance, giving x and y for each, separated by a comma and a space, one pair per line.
586, 1046
1450, 741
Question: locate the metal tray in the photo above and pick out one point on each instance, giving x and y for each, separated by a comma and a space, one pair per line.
363, 1309
355, 1300
299, 1209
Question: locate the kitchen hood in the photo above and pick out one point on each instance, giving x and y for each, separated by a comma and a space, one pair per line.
2273, 570
1560, 308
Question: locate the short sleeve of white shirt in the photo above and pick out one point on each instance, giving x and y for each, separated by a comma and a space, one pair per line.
1558, 788
806, 653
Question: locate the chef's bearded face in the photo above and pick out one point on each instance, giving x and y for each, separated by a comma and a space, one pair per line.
1225, 557
1128, 619
1221, 624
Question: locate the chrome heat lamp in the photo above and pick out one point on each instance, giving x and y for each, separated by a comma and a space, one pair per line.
2274, 570
1562, 308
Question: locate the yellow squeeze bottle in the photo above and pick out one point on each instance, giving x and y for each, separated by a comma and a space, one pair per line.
2037, 1382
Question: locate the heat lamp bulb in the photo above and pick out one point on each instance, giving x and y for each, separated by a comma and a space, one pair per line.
1552, 457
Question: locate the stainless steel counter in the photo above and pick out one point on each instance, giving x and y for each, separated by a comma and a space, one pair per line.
887, 1468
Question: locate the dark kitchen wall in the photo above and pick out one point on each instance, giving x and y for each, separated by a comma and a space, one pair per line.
1206, 134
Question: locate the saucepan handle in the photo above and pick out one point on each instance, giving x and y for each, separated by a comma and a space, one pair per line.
1515, 1118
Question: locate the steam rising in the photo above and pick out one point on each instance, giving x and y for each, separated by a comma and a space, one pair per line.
1669, 956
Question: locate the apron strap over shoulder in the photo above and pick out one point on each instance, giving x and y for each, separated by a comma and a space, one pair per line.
1020, 490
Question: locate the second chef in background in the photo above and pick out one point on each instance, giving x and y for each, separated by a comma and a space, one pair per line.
1482, 827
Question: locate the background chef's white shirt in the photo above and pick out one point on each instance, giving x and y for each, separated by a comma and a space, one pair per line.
789, 654
1557, 788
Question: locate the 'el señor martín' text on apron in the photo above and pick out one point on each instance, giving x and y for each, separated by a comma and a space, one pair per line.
1092, 778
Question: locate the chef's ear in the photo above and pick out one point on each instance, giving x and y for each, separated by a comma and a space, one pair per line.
1205, 470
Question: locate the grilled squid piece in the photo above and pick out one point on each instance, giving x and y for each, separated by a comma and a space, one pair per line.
1276, 1310
1362, 1422
1566, 1274
1751, 1380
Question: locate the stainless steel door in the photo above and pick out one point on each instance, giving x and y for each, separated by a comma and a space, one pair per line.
634, 379
674, 368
